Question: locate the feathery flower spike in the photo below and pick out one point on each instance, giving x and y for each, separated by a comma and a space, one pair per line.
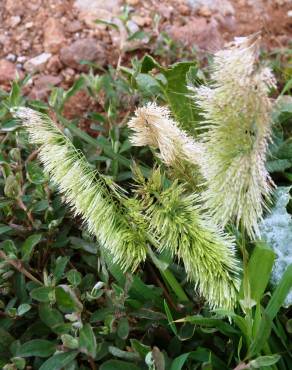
85, 191
237, 111
179, 226
153, 126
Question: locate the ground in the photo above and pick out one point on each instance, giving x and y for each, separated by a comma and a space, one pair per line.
48, 39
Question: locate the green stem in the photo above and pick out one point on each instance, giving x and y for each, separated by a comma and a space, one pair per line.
165, 272
246, 287
174, 284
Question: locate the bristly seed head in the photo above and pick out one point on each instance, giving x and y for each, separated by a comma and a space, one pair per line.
237, 111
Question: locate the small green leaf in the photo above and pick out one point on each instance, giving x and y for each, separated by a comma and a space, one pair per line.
170, 318
140, 348
67, 299
28, 246
123, 328
178, 363
264, 361
117, 365
69, 341
58, 361
282, 290
258, 279
74, 277
23, 308
51, 317
87, 340
43, 294
37, 348
35, 173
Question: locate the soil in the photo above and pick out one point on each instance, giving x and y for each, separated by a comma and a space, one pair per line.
48, 39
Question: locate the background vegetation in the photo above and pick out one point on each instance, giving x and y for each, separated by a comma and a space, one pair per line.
64, 304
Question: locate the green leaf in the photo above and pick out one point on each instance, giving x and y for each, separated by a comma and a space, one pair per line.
87, 340
67, 299
37, 348
5, 338
262, 256
282, 290
117, 365
178, 363
28, 246
74, 277
140, 348
177, 94
52, 318
263, 361
147, 84
170, 318
262, 335
43, 294
23, 308
58, 361
125, 355
148, 63
123, 328
35, 174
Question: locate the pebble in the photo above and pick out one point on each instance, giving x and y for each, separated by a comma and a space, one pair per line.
37, 63
11, 57
8, 71
54, 37
14, 21
87, 49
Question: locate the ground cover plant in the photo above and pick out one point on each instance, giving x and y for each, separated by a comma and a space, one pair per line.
157, 244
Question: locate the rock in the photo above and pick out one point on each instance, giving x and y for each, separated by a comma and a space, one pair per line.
54, 37
183, 9
46, 81
74, 26
8, 71
14, 21
223, 7
21, 59
43, 85
37, 63
142, 21
15, 7
205, 11
11, 57
132, 2
85, 49
54, 64
25, 44
164, 10
28, 25
200, 31
90, 10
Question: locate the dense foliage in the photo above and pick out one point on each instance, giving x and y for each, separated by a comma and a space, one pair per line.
66, 303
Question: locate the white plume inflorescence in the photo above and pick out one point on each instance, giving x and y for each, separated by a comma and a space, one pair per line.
85, 190
153, 126
237, 130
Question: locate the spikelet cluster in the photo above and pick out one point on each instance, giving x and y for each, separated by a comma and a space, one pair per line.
85, 191
153, 125
237, 130
178, 224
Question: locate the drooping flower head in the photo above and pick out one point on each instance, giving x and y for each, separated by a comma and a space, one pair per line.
237, 130
86, 191
153, 125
